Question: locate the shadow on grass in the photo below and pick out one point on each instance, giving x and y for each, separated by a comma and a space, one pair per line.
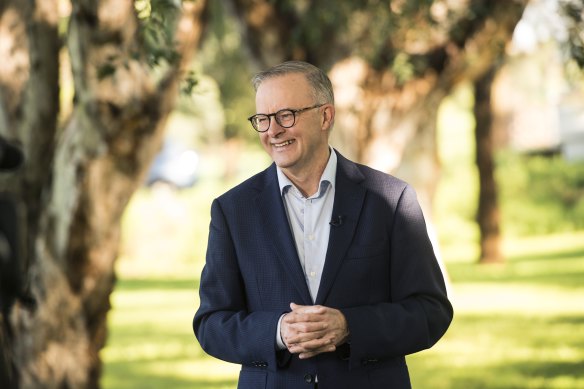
577, 254
121, 376
158, 373
520, 375
571, 320
504, 352
548, 369
136, 284
563, 268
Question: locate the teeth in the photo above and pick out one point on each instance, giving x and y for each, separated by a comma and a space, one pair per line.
284, 143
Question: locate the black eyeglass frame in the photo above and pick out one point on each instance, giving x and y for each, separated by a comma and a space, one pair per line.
275, 115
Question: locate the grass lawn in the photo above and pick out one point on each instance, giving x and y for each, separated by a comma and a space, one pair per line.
517, 325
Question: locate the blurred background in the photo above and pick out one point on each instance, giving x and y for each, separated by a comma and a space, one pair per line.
132, 118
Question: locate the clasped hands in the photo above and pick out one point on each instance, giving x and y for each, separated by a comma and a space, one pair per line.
309, 330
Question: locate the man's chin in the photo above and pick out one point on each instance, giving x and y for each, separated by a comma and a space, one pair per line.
282, 162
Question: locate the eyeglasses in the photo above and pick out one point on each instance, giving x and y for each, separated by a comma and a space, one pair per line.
284, 117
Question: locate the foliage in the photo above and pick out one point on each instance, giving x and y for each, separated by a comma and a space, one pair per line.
456, 197
158, 20
574, 17
224, 59
537, 194
540, 194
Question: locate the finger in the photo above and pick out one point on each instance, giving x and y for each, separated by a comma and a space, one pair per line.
307, 309
310, 354
300, 319
311, 345
297, 338
309, 326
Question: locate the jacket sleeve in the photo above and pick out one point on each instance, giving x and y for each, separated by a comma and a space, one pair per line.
419, 312
222, 324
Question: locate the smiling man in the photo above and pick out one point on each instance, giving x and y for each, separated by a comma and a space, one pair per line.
319, 271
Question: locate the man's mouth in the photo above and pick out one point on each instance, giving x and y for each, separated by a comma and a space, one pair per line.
286, 143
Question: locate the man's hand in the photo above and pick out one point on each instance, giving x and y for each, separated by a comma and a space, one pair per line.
313, 329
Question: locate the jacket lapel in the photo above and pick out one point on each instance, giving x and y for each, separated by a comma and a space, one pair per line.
273, 214
349, 197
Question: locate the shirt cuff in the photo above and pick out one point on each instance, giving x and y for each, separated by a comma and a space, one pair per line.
279, 341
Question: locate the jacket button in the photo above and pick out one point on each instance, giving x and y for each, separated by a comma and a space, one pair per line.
366, 362
308, 378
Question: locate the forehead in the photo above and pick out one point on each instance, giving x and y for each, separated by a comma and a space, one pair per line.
285, 91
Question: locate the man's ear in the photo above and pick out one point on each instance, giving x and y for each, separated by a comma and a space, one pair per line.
328, 116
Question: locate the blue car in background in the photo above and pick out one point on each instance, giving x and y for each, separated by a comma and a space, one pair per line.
175, 165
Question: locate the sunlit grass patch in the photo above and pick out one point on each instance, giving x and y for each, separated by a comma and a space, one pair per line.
151, 343
517, 325
504, 350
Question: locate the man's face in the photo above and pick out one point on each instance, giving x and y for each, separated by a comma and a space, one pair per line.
298, 148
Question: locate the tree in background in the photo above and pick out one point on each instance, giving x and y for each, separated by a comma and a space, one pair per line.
81, 168
573, 11
565, 18
488, 217
392, 63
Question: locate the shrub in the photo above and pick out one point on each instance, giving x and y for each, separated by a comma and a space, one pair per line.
540, 194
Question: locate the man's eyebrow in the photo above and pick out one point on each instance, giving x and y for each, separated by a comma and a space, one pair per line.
282, 109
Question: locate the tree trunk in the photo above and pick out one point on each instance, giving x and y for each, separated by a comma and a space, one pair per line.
488, 217
77, 181
388, 127
29, 106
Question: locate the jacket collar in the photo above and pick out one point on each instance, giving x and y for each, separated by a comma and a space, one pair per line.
349, 198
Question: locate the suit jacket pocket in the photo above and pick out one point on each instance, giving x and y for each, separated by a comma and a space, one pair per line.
252, 379
358, 251
391, 373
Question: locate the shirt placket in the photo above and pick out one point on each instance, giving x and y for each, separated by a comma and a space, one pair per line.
310, 246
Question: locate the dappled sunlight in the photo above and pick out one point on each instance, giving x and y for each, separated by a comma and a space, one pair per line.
492, 299
507, 350
516, 325
203, 369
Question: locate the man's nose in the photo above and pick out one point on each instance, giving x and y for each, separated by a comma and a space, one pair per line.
275, 128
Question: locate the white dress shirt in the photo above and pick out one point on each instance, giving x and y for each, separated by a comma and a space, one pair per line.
309, 219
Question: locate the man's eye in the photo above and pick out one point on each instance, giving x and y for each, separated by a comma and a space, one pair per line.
286, 116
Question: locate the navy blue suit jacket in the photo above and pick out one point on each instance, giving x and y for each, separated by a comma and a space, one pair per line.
380, 271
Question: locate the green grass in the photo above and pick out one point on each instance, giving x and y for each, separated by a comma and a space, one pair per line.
516, 325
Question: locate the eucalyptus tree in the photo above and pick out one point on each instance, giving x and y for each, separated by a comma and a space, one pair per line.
391, 62
86, 147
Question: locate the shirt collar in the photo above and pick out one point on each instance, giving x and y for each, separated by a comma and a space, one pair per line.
329, 175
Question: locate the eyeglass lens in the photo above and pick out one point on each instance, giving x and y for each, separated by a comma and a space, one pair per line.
284, 118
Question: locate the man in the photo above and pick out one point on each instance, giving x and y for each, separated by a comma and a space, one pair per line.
319, 271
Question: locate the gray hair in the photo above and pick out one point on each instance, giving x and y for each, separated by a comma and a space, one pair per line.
322, 88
